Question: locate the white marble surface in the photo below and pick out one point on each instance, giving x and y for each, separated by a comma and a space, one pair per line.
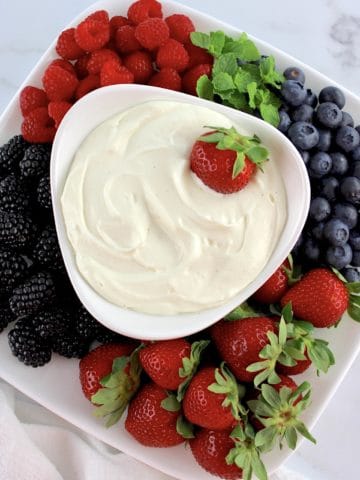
323, 33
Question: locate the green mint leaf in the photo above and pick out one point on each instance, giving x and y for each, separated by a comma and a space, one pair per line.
204, 88
239, 164
244, 48
270, 114
223, 82
269, 73
225, 64
217, 43
251, 90
200, 39
242, 80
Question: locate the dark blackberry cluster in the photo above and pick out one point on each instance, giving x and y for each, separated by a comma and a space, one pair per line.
330, 146
13, 268
55, 321
13, 199
16, 231
35, 162
11, 153
6, 315
43, 193
47, 251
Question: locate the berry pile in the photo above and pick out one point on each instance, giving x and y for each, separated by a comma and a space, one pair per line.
36, 295
330, 146
142, 47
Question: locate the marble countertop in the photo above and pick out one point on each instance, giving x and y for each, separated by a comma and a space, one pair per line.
324, 34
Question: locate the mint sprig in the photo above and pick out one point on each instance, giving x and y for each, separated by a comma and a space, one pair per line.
231, 139
241, 77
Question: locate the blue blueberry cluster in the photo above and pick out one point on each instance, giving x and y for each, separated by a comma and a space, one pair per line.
329, 144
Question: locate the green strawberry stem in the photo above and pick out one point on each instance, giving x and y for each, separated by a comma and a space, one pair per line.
118, 388
190, 366
293, 273
231, 139
279, 413
242, 311
183, 427
354, 296
245, 454
225, 383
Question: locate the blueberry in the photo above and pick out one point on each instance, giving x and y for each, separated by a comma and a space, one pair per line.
355, 169
350, 189
346, 213
347, 138
351, 274
294, 73
318, 230
311, 98
329, 188
303, 113
324, 142
356, 258
355, 154
357, 128
311, 250
354, 239
340, 163
293, 92
285, 121
329, 115
336, 232
319, 165
347, 120
339, 257
305, 155
303, 135
319, 209
332, 94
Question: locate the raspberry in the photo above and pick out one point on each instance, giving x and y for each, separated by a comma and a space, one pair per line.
152, 33
116, 22
65, 64
125, 40
38, 127
99, 16
166, 78
98, 58
86, 85
57, 111
31, 98
191, 77
172, 55
80, 67
113, 73
140, 65
144, 9
59, 84
92, 34
180, 27
67, 47
197, 55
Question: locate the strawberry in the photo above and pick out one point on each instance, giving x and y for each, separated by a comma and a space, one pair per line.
150, 422
210, 448
300, 367
277, 409
225, 160
276, 286
190, 77
239, 342
170, 363
212, 399
320, 298
109, 378
172, 55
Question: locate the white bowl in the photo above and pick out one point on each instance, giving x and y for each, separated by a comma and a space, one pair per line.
101, 105
46, 384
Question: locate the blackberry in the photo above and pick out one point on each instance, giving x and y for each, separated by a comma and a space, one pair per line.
52, 322
13, 268
86, 325
6, 315
13, 198
70, 345
11, 153
16, 230
106, 335
47, 251
26, 345
35, 162
36, 293
44, 193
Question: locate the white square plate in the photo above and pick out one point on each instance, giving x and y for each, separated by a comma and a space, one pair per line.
56, 385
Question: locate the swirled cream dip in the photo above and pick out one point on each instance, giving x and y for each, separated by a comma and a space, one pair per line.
147, 233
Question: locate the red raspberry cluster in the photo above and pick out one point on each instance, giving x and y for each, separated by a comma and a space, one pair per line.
142, 47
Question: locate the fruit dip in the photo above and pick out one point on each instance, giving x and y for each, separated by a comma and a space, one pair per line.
147, 234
